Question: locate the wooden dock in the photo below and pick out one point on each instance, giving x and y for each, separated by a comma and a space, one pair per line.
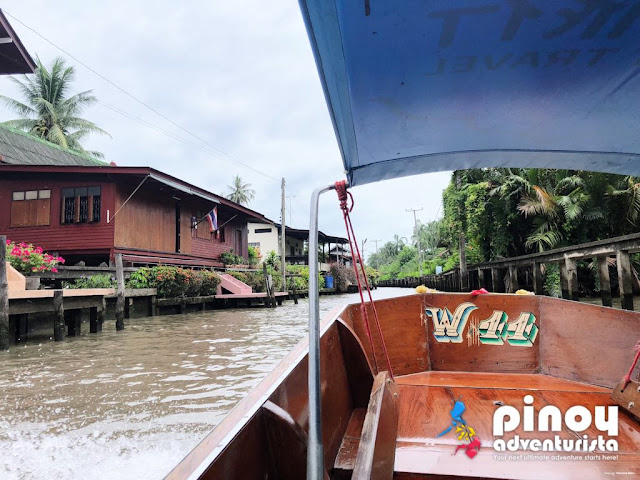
230, 300
65, 309
526, 271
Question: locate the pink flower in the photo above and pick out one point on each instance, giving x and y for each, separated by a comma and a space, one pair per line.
8, 242
25, 260
38, 250
23, 245
16, 251
26, 253
34, 269
54, 270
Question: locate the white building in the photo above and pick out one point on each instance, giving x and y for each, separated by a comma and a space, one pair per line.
266, 238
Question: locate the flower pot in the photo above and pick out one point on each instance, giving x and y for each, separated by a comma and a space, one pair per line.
32, 283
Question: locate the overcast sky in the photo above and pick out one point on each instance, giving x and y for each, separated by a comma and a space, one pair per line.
239, 75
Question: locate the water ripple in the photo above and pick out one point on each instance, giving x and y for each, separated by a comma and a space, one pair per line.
131, 404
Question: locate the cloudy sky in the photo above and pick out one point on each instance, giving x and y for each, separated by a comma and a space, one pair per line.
239, 75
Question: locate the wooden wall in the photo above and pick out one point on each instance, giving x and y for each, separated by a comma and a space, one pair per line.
148, 220
146, 223
477, 357
85, 238
403, 328
412, 347
575, 341
586, 343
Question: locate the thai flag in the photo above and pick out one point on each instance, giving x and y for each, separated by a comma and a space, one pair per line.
212, 218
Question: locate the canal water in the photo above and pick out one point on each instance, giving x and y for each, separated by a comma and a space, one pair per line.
131, 404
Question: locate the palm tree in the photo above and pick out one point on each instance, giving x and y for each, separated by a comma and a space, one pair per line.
239, 192
48, 112
400, 242
553, 199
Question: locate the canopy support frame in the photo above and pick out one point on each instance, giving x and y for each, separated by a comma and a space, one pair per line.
315, 450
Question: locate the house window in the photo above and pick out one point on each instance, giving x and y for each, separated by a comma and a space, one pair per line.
30, 208
81, 205
221, 237
262, 230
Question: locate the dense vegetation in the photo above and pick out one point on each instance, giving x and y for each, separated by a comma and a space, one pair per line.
509, 212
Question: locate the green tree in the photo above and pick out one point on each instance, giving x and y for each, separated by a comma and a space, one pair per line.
240, 192
556, 202
628, 191
48, 112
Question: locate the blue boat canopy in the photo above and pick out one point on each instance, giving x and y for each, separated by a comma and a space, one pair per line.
417, 86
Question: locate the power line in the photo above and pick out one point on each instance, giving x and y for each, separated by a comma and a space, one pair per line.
222, 154
438, 212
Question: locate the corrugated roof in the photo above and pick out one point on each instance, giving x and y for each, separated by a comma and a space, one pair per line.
20, 148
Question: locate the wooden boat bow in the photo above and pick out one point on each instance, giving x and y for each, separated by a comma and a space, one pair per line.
367, 429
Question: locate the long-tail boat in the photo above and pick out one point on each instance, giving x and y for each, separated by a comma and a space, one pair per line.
457, 385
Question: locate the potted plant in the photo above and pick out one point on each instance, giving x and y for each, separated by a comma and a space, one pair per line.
30, 261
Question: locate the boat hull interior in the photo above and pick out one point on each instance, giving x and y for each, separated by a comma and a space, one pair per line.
485, 351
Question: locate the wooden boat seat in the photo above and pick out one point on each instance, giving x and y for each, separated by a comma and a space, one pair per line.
377, 443
425, 400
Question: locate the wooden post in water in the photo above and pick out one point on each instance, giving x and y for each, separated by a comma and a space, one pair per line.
564, 281
265, 279
572, 277
624, 279
74, 322
119, 293
153, 306
4, 296
58, 316
294, 291
268, 287
605, 282
538, 280
96, 318
272, 288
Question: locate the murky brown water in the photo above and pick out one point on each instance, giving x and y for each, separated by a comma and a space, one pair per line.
125, 405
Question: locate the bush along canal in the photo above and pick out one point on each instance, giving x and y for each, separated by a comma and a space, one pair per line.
80, 298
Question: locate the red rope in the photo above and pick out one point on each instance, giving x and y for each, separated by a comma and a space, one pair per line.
627, 377
343, 196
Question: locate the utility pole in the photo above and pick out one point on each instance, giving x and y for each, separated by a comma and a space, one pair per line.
283, 243
362, 249
376, 242
415, 225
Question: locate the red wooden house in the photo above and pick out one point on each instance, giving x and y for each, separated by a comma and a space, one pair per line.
90, 211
